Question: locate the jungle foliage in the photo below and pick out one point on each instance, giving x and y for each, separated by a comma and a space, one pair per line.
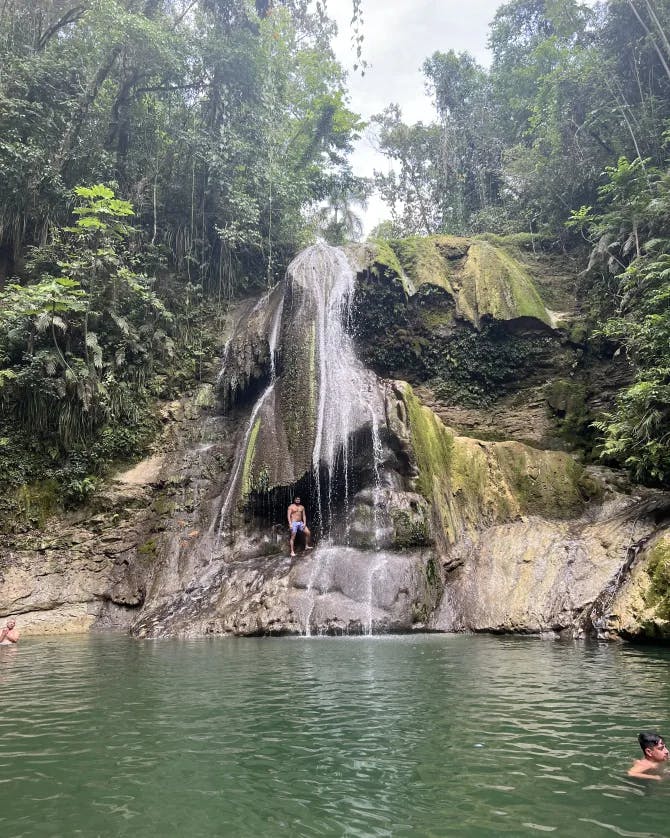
564, 136
156, 159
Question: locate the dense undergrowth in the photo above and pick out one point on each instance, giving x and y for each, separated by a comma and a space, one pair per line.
88, 350
222, 131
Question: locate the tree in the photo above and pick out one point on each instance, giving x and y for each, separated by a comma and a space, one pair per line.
77, 344
470, 152
411, 187
337, 221
222, 126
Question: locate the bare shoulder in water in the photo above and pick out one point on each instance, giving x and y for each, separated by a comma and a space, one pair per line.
655, 751
9, 635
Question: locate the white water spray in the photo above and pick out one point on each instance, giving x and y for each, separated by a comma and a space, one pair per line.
377, 457
233, 485
274, 338
346, 391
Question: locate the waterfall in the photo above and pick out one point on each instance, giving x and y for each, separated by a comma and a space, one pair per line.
312, 310
274, 339
346, 390
377, 455
233, 485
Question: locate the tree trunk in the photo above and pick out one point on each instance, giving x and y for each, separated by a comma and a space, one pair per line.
72, 133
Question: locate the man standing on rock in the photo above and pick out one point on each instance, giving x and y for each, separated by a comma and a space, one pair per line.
297, 522
9, 634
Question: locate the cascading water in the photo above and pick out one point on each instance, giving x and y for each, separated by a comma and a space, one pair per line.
234, 482
347, 392
316, 424
274, 339
377, 456
314, 409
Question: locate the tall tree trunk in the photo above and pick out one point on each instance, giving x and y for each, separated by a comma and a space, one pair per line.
648, 31
89, 96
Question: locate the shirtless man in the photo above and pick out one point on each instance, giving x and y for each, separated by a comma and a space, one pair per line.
297, 522
655, 754
9, 634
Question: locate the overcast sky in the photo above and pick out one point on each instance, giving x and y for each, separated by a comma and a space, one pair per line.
399, 36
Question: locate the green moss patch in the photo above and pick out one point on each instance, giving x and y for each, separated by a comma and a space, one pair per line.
385, 259
471, 483
658, 568
148, 550
409, 532
35, 503
247, 481
496, 285
433, 260
433, 444
545, 483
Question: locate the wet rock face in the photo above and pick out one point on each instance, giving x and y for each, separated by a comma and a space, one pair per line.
534, 575
342, 590
640, 607
415, 526
334, 590
81, 571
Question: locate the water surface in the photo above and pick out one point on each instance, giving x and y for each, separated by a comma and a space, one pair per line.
397, 736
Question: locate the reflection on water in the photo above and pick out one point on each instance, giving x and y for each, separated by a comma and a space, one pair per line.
420, 736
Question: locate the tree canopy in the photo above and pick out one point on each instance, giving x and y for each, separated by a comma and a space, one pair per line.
563, 136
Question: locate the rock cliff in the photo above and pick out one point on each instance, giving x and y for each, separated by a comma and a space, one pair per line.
419, 525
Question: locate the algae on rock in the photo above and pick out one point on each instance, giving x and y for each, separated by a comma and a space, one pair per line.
472, 483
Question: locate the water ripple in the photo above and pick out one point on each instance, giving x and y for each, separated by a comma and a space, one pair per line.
412, 736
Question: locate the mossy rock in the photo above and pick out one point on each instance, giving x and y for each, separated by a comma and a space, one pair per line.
36, 502
409, 531
497, 286
431, 260
163, 506
385, 261
545, 483
471, 483
590, 487
658, 568
148, 550
562, 396
455, 332
567, 400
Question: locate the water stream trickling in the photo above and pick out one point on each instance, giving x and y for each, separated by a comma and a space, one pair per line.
377, 455
320, 567
327, 281
233, 485
374, 568
273, 340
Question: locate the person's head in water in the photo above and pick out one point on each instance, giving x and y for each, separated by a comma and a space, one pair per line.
653, 747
